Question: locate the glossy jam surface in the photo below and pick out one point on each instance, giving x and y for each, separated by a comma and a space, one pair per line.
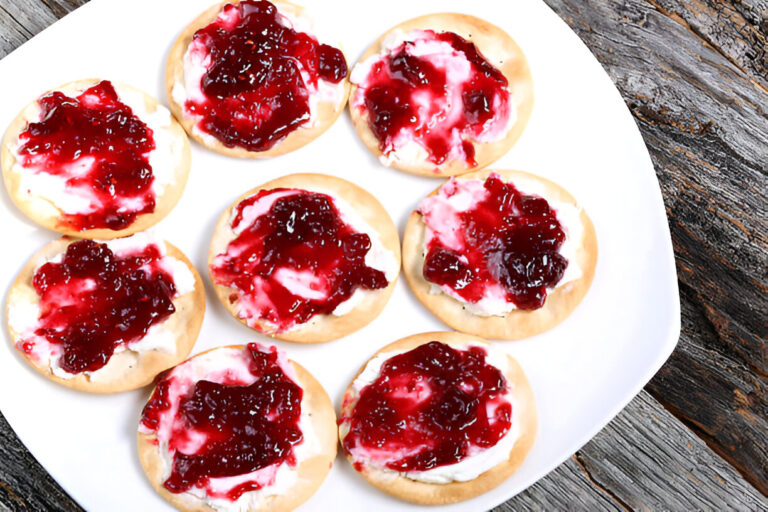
430, 407
93, 302
238, 427
507, 238
95, 126
439, 105
260, 76
296, 260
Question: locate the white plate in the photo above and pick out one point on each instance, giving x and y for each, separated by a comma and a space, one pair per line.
580, 135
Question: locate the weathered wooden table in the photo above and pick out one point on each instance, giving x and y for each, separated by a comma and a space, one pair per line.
694, 73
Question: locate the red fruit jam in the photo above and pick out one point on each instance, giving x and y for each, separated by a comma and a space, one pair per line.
245, 426
95, 126
429, 407
93, 302
297, 260
441, 95
507, 238
259, 75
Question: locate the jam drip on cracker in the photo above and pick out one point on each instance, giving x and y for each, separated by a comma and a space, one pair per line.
97, 144
238, 428
431, 406
93, 302
296, 260
260, 77
508, 239
416, 92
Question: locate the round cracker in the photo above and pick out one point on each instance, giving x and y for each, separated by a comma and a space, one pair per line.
326, 115
500, 50
46, 214
518, 323
125, 370
423, 493
320, 328
311, 472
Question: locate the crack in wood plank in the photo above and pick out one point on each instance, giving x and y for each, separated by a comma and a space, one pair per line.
565, 488
712, 404
23, 28
642, 437
679, 19
644, 460
580, 462
60, 10
737, 31
56, 8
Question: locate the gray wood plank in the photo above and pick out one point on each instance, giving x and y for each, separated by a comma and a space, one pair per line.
705, 123
714, 395
671, 467
643, 460
20, 20
24, 484
12, 34
566, 488
737, 30
33, 20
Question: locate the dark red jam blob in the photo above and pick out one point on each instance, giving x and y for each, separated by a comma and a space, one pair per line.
509, 238
93, 301
430, 404
246, 427
394, 83
302, 232
95, 124
158, 403
255, 92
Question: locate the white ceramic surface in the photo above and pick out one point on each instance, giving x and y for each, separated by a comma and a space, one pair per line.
580, 135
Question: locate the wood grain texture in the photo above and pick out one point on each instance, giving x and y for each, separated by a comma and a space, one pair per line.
694, 75
20, 20
644, 460
737, 30
24, 484
704, 121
